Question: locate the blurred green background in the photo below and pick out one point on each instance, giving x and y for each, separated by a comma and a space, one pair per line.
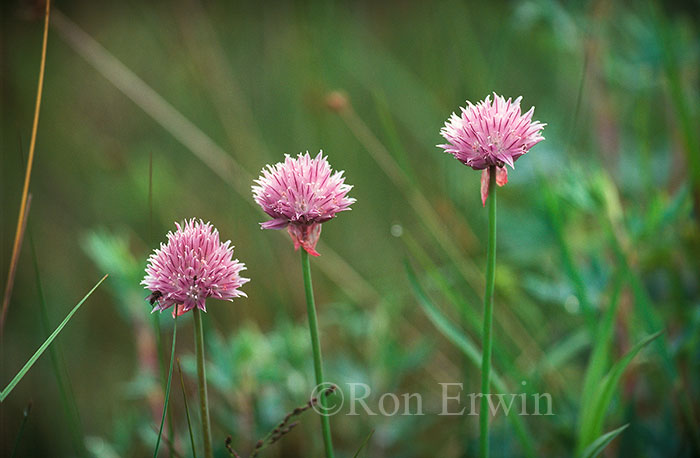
196, 97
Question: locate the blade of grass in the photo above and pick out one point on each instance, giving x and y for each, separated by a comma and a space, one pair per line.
592, 425
462, 342
187, 409
599, 444
10, 386
23, 207
67, 397
25, 418
364, 444
167, 391
600, 356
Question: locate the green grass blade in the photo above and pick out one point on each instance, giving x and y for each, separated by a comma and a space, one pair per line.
599, 444
600, 356
167, 390
593, 425
10, 386
64, 388
364, 444
454, 335
25, 418
187, 409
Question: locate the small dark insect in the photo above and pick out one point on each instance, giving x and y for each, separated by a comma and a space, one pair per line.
154, 297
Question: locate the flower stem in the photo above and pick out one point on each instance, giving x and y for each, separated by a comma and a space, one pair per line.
488, 316
202, 376
316, 347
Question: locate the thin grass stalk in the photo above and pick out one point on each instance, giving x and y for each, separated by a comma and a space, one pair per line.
187, 409
488, 317
167, 392
316, 347
202, 378
22, 218
28, 365
25, 418
67, 398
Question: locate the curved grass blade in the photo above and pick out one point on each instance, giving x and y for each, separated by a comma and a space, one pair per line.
593, 424
599, 444
187, 409
10, 386
364, 444
454, 335
167, 390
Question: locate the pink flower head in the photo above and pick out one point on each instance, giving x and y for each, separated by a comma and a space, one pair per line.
300, 194
191, 267
491, 134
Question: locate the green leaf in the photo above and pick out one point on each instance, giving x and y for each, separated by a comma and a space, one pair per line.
599, 444
10, 386
593, 424
600, 356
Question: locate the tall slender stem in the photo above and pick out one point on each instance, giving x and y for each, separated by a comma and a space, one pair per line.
167, 392
316, 347
202, 376
488, 316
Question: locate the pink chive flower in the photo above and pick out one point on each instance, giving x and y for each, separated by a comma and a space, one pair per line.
191, 267
491, 134
300, 194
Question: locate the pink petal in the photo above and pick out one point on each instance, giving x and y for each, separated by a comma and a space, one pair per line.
501, 176
485, 186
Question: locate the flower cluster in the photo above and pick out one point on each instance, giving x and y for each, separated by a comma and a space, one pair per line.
300, 194
191, 267
491, 134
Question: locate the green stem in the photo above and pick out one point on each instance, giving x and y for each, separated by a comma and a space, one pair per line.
167, 391
488, 316
316, 347
202, 377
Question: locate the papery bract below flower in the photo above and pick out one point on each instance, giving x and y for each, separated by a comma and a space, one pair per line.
192, 266
491, 134
300, 194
